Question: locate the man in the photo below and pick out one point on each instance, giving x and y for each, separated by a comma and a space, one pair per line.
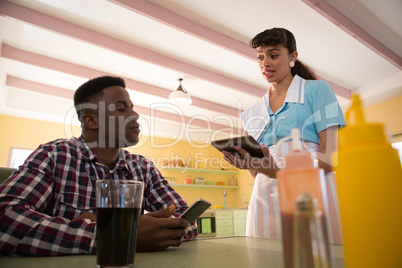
47, 206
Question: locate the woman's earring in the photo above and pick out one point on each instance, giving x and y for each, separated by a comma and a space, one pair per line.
292, 64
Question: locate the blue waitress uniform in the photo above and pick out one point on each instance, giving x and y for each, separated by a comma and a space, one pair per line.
311, 106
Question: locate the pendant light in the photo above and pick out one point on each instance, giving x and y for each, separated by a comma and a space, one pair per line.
180, 96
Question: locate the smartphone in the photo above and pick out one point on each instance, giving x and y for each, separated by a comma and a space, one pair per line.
248, 143
196, 209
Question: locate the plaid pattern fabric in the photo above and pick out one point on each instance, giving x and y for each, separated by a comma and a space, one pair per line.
56, 184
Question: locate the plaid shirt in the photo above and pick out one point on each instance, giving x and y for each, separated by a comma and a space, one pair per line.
58, 179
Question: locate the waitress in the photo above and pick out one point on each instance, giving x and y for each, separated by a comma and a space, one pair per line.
295, 99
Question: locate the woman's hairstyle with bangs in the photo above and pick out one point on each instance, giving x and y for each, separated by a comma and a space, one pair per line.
281, 36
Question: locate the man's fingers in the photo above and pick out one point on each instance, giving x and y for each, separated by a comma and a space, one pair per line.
176, 242
178, 224
164, 213
86, 215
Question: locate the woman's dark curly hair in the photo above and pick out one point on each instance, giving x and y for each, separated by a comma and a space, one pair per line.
281, 36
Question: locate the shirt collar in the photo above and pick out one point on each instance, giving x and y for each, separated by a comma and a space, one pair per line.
296, 90
86, 152
88, 155
294, 94
256, 118
121, 163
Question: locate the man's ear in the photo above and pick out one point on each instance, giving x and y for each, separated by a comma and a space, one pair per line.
90, 121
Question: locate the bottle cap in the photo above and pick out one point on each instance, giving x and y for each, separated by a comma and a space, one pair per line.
305, 202
357, 130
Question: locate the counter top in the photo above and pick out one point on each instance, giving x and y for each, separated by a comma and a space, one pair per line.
211, 252
224, 209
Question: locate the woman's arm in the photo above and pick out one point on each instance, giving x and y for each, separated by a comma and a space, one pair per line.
328, 145
267, 165
244, 160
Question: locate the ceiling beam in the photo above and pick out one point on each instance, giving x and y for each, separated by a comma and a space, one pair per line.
44, 89
339, 19
86, 72
171, 19
339, 90
176, 21
28, 85
101, 40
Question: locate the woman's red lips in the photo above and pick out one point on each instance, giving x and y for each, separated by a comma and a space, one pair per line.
268, 73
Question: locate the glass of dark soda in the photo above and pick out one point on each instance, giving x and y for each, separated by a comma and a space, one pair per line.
118, 207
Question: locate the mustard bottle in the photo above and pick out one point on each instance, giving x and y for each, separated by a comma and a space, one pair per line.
369, 184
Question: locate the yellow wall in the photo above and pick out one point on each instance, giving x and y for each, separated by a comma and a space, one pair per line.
28, 133
388, 113
201, 156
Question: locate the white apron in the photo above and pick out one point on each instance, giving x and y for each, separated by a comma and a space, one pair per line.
263, 217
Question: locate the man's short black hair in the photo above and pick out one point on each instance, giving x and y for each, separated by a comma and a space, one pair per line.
94, 87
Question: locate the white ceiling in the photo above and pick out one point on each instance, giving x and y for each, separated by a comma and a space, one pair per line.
50, 47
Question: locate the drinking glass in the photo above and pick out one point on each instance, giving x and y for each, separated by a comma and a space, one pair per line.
118, 207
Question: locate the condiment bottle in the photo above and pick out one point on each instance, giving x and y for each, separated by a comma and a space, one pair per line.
299, 175
369, 185
309, 245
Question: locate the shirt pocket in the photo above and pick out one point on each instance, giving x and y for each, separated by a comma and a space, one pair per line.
72, 204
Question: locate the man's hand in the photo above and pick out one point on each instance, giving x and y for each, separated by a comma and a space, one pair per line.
157, 231
85, 215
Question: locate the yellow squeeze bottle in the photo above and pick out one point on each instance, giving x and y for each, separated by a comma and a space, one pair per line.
369, 185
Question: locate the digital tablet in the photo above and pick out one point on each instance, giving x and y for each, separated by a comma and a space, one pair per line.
248, 143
